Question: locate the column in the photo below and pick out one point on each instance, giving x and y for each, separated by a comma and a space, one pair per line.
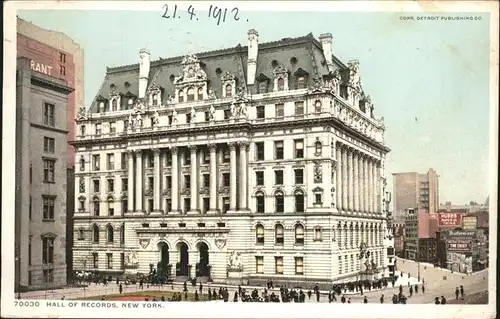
370, 185
138, 181
193, 176
130, 181
338, 174
379, 192
233, 186
157, 178
356, 181
374, 182
213, 177
175, 179
365, 184
360, 182
350, 185
344, 178
243, 176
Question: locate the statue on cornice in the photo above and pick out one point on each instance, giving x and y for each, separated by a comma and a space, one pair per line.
240, 95
174, 117
82, 112
193, 113
354, 79
170, 99
212, 112
130, 120
233, 110
190, 58
243, 110
211, 94
138, 120
333, 84
156, 118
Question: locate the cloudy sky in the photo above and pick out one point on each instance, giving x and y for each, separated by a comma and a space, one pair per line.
428, 79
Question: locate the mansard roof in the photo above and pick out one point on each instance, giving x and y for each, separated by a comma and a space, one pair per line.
304, 53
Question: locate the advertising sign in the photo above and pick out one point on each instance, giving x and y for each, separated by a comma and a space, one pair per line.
467, 235
464, 246
449, 220
42, 68
469, 222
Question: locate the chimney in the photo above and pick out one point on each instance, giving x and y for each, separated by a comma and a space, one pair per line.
143, 72
253, 51
326, 43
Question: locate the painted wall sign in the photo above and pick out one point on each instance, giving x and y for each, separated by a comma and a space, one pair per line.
42, 68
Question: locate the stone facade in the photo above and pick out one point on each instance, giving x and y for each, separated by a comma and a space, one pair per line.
281, 178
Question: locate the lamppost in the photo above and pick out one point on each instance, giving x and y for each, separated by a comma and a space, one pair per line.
18, 270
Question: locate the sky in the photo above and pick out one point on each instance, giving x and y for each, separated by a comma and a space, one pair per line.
428, 79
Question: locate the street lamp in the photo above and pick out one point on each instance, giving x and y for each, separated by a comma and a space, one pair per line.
18, 275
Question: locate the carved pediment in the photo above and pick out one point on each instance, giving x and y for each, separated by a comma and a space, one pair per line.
300, 72
317, 190
280, 70
227, 77
262, 78
191, 70
100, 98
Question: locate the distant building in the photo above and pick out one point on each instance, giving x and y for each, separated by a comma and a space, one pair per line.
399, 235
414, 190
416, 227
427, 248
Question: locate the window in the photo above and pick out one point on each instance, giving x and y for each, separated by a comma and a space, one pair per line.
97, 185
48, 114
110, 162
259, 264
62, 70
97, 207
181, 96
151, 182
318, 148
299, 202
260, 202
109, 260
278, 150
150, 205
281, 84
317, 199
125, 125
299, 176
263, 87
48, 250
170, 118
317, 106
207, 116
187, 204
299, 148
188, 118
259, 177
187, 158
190, 94
124, 161
122, 260
187, 181
200, 93
81, 234
48, 275
82, 204
112, 127
95, 259
299, 108
318, 234
261, 112
168, 182
48, 170
225, 204
122, 234
279, 234
98, 129
340, 264
206, 180
278, 177
111, 208
206, 157
114, 104
390, 251
96, 160
280, 110
259, 234
62, 57
226, 179
168, 205
201, 225
301, 82
48, 207
259, 146
130, 103
82, 129
229, 90
49, 145
278, 262
206, 204
280, 202
227, 114
299, 265
110, 233
155, 99
299, 234
124, 206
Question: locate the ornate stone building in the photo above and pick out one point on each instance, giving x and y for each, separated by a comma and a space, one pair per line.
237, 165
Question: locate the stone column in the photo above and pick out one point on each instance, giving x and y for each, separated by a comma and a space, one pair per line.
374, 183
365, 184
350, 183
213, 177
157, 179
130, 181
344, 178
360, 182
175, 179
379, 188
338, 174
138, 181
243, 176
356, 181
370, 185
233, 186
194, 182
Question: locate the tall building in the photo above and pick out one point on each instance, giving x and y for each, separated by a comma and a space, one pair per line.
55, 58
241, 164
414, 190
416, 228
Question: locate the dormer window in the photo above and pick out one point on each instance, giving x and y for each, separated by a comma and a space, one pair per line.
181, 96
317, 106
300, 78
200, 93
101, 107
190, 94
263, 87
155, 99
114, 105
229, 90
301, 82
281, 84
130, 103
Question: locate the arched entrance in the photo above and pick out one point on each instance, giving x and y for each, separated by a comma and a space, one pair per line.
203, 269
182, 265
164, 267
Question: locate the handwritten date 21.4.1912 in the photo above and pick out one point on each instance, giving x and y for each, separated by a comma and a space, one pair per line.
219, 15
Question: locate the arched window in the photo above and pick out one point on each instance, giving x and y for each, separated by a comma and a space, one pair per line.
317, 106
281, 84
263, 87
155, 99
122, 234
181, 96
111, 206
318, 148
299, 201
279, 234
318, 234
301, 82
82, 163
110, 233
229, 90
299, 234
97, 207
114, 105
101, 107
260, 202
190, 94
200, 93
130, 103
259, 234
95, 233
280, 202
81, 235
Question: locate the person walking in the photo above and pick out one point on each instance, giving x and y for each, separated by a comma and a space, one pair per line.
201, 288
342, 300
349, 300
120, 289
416, 288
443, 300
365, 300
462, 292
457, 292
185, 286
382, 298
411, 291
196, 296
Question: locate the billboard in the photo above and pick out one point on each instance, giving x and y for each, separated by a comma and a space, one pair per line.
469, 222
460, 235
459, 246
451, 220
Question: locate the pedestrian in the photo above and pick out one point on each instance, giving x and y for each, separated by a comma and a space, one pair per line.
317, 295
309, 293
235, 298
423, 289
342, 300
329, 297
436, 301
185, 295
457, 292
382, 298
103, 298
462, 291
411, 291
443, 300
201, 288
185, 286
349, 300
365, 300
120, 289
196, 296
416, 288
63, 297
162, 298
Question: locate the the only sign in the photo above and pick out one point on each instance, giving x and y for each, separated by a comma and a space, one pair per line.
450, 219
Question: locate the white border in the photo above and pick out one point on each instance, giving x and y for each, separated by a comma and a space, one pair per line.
232, 310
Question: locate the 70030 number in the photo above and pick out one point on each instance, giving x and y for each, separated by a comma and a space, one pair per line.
27, 303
